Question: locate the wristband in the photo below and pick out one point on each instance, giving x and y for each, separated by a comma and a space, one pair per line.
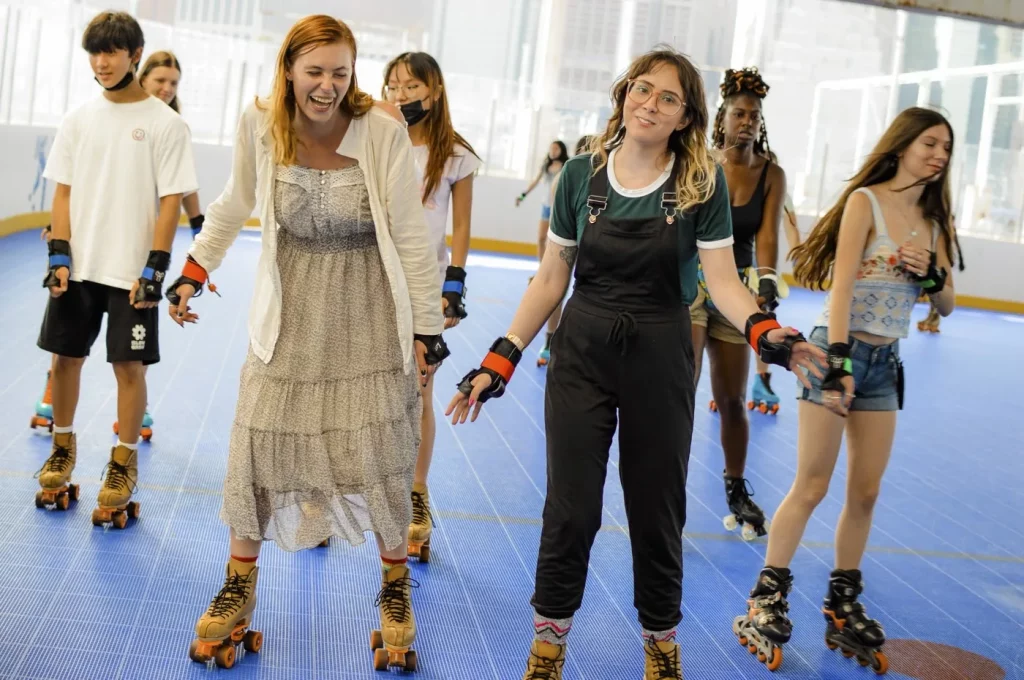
193, 270
156, 265
503, 358
758, 324
454, 280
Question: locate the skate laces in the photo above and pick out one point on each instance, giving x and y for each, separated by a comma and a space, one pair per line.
770, 607
420, 512
231, 597
666, 664
544, 668
741, 491
58, 461
118, 476
393, 600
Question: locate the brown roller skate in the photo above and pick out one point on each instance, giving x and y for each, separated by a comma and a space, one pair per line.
225, 625
55, 475
664, 661
545, 662
114, 504
391, 643
419, 530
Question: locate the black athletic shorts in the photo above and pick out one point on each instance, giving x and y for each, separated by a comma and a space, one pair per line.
72, 323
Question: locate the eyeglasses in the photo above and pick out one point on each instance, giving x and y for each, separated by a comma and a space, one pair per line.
410, 91
640, 91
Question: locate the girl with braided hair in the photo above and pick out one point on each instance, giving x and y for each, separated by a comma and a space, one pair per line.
757, 190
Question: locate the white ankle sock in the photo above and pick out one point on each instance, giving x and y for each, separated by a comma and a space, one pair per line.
134, 446
63, 430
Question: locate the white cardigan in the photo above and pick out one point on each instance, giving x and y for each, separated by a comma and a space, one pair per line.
381, 145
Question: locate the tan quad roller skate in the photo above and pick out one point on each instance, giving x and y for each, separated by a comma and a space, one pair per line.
54, 477
663, 660
392, 642
225, 625
545, 662
114, 504
419, 530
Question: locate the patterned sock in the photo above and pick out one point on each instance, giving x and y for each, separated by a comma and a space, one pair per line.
551, 631
386, 563
660, 636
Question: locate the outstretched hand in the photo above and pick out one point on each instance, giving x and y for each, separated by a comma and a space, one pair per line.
181, 312
802, 355
461, 404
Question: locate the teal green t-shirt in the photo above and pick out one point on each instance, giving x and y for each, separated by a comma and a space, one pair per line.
708, 226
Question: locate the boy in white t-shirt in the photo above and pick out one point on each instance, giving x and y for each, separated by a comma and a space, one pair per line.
121, 163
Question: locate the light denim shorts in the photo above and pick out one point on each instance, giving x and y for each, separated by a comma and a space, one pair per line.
877, 375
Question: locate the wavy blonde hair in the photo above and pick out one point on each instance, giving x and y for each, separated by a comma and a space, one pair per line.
695, 181
307, 34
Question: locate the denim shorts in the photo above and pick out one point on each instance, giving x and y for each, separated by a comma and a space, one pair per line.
877, 375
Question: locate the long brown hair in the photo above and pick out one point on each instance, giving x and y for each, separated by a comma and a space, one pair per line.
156, 60
307, 34
813, 259
440, 133
695, 181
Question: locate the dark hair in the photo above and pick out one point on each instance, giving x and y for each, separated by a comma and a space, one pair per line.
113, 31
583, 144
745, 81
563, 155
813, 259
440, 132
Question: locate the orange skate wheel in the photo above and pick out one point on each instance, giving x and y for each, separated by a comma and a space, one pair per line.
120, 520
116, 428
751, 405
225, 655
253, 641
380, 659
376, 639
776, 660
881, 664
410, 661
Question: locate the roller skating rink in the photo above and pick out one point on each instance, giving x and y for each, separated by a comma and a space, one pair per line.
944, 569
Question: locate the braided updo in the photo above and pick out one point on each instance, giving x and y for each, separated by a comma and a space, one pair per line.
739, 82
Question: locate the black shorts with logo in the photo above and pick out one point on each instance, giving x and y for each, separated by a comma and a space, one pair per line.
72, 323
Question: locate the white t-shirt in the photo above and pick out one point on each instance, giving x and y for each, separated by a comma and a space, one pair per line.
119, 159
459, 166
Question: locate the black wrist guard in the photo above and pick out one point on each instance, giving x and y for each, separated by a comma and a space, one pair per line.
934, 279
152, 278
454, 290
192, 274
839, 366
778, 353
437, 350
196, 223
500, 363
59, 257
768, 290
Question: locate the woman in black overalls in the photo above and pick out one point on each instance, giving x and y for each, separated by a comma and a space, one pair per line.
640, 206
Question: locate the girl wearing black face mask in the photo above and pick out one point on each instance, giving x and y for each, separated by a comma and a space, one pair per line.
446, 163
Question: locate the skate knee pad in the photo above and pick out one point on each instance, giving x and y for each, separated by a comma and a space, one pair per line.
152, 278
454, 290
500, 363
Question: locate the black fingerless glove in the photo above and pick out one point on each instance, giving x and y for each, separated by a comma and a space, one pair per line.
59, 257
500, 363
768, 290
152, 279
934, 279
778, 353
193, 274
196, 223
839, 366
453, 291
437, 350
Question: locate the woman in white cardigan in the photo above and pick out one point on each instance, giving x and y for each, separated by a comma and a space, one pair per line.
344, 329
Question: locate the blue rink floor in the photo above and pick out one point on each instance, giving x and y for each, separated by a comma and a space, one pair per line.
944, 569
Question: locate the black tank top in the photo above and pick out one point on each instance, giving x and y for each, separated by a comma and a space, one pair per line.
746, 220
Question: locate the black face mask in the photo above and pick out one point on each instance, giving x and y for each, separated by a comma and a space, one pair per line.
414, 112
125, 82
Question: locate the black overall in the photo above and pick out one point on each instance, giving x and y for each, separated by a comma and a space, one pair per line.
622, 352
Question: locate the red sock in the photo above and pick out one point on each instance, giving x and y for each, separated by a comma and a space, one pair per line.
388, 563
249, 560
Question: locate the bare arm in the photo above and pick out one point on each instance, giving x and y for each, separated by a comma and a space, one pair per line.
167, 222
60, 218
945, 299
768, 233
546, 291
731, 297
191, 205
854, 229
462, 208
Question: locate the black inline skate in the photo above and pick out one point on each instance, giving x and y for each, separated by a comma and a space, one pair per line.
765, 627
744, 511
848, 626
